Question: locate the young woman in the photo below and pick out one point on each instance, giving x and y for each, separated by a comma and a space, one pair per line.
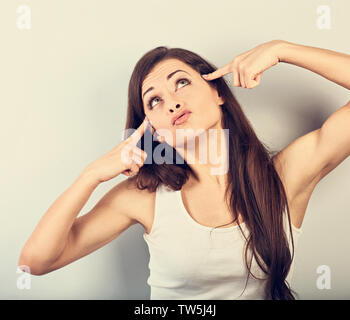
223, 235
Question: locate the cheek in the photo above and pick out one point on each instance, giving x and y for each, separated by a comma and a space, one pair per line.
205, 100
207, 107
211, 115
151, 115
159, 121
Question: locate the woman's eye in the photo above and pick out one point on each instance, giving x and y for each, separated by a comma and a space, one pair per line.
183, 80
150, 103
151, 100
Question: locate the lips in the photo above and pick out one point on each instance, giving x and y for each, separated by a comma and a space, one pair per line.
177, 116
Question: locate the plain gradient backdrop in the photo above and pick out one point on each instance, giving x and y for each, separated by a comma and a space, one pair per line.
63, 98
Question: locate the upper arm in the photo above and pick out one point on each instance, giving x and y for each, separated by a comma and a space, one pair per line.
309, 158
112, 215
334, 140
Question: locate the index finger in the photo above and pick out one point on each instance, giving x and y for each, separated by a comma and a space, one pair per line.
218, 73
135, 137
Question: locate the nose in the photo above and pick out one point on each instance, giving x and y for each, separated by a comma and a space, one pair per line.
173, 109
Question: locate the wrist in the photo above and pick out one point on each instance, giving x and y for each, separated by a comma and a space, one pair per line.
283, 49
88, 177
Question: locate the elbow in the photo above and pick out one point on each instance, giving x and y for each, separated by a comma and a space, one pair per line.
27, 263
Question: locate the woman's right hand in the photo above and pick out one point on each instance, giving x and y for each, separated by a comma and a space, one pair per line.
125, 158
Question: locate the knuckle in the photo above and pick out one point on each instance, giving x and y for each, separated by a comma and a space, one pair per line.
246, 73
248, 70
234, 62
242, 66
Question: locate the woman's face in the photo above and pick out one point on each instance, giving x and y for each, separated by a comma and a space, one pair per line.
174, 91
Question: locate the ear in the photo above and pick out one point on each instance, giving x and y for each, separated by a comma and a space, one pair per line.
220, 101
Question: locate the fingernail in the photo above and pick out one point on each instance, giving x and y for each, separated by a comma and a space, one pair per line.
204, 75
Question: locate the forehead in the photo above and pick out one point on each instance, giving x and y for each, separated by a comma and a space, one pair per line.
162, 69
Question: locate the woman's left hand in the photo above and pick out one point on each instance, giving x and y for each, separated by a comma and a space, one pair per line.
247, 68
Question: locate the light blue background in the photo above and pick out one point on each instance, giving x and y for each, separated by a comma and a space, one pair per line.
63, 104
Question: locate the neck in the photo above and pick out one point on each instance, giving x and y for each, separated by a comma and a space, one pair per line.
208, 158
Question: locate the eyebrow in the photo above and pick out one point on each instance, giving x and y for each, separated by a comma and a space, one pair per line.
168, 77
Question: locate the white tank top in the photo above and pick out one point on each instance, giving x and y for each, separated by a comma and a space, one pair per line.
192, 261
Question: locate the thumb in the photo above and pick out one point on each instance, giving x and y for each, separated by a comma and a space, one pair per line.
258, 77
252, 83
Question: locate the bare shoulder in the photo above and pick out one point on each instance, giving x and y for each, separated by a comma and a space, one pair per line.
137, 204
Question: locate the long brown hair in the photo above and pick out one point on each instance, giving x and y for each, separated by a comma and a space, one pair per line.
254, 186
